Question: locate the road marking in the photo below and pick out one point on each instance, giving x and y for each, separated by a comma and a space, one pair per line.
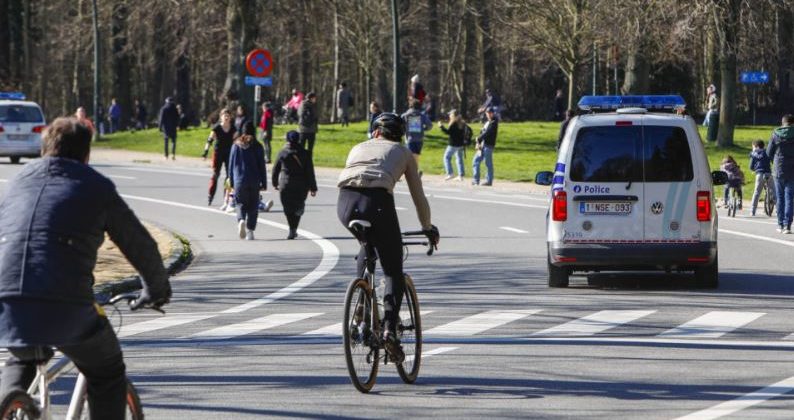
121, 177
336, 329
253, 325
594, 323
712, 325
746, 401
511, 229
759, 237
426, 354
163, 322
480, 322
400, 208
476, 200
162, 171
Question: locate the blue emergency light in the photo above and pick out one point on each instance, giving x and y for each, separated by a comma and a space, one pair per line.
649, 102
13, 96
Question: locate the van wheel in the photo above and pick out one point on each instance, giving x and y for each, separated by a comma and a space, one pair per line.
15, 159
558, 277
707, 276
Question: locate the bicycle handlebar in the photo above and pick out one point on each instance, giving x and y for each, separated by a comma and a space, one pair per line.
131, 297
430, 247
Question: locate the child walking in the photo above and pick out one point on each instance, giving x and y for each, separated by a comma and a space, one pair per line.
762, 166
735, 178
293, 177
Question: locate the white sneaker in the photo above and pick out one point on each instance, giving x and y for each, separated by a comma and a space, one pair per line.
241, 229
787, 231
448, 177
223, 207
460, 177
249, 235
779, 229
230, 209
268, 205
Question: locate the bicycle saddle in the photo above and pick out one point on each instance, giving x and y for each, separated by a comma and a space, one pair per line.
358, 224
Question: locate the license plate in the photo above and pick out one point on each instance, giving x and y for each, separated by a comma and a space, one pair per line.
18, 137
600, 207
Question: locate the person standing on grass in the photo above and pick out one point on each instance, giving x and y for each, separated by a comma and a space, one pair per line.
486, 142
416, 123
569, 114
168, 123
140, 115
455, 145
242, 123
114, 112
247, 176
307, 122
293, 177
344, 100
781, 151
266, 125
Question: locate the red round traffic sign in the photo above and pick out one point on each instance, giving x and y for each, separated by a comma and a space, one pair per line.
259, 63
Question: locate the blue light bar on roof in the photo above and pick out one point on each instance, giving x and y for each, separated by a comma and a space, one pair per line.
13, 96
649, 102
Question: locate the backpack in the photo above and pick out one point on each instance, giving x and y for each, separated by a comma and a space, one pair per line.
467, 135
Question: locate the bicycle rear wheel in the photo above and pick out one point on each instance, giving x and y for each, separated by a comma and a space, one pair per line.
361, 347
18, 405
769, 201
410, 334
134, 410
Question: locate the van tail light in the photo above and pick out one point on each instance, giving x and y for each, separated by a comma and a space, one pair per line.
704, 206
38, 129
559, 206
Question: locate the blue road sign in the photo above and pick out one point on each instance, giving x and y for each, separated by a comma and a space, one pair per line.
258, 81
754, 77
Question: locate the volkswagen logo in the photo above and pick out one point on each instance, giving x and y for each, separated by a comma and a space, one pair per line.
657, 208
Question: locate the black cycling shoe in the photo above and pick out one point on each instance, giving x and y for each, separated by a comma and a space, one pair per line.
392, 345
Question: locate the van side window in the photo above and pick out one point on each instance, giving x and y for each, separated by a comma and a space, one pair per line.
667, 155
607, 154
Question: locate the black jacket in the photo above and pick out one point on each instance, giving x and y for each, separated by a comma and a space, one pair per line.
307, 117
781, 151
55, 217
488, 133
169, 119
455, 133
294, 169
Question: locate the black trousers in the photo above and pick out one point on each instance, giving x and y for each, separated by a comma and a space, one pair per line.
293, 200
247, 198
99, 358
267, 138
166, 137
376, 205
308, 137
220, 160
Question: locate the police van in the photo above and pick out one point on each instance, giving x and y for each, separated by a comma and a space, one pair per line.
21, 124
632, 190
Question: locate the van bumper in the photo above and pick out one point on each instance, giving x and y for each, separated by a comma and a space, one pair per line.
635, 256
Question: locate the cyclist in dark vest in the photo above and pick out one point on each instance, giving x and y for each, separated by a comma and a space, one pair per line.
367, 193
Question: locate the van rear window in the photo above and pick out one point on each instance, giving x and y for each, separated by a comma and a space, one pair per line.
631, 153
20, 114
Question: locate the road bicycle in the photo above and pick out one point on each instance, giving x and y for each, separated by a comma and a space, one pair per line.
769, 195
362, 328
35, 403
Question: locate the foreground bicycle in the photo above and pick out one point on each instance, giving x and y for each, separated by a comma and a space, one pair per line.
35, 403
362, 326
769, 195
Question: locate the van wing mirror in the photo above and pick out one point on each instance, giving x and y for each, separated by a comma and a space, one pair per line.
719, 178
544, 178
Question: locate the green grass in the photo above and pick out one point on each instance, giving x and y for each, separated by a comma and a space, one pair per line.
522, 149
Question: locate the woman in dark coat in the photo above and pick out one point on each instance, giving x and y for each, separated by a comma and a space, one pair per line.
293, 176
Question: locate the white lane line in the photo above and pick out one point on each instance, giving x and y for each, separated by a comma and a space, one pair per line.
336, 329
426, 354
746, 401
480, 322
162, 171
512, 229
593, 323
121, 176
712, 325
171, 320
506, 203
253, 325
400, 208
759, 237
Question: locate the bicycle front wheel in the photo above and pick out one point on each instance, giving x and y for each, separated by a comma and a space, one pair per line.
18, 405
361, 347
769, 201
133, 411
410, 334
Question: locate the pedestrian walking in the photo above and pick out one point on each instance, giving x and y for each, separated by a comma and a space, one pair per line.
242, 122
140, 115
247, 176
83, 119
184, 120
712, 104
266, 125
307, 122
374, 112
293, 177
781, 151
114, 113
344, 100
223, 135
455, 144
762, 166
168, 123
416, 91
486, 142
416, 123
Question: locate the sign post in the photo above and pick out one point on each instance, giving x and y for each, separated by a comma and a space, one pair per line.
754, 78
259, 64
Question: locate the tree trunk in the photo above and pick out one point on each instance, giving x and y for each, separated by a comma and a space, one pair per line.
231, 87
469, 60
637, 70
434, 51
728, 32
489, 76
5, 44
336, 60
785, 33
27, 74
120, 60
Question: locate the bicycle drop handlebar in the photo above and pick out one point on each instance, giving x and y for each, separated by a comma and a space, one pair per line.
131, 297
430, 247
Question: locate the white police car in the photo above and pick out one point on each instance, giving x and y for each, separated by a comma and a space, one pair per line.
632, 190
21, 124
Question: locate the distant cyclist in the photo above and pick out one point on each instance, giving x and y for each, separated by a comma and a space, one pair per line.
367, 193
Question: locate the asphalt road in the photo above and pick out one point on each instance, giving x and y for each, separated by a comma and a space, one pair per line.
251, 329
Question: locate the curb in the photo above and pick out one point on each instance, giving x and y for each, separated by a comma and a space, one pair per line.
178, 258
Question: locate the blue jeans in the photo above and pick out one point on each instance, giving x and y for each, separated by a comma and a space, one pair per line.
458, 152
487, 154
785, 201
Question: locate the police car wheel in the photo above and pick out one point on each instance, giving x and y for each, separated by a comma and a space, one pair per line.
558, 276
708, 276
15, 159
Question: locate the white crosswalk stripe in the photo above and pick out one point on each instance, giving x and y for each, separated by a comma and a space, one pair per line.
478, 323
712, 325
254, 325
336, 329
161, 323
594, 323
426, 354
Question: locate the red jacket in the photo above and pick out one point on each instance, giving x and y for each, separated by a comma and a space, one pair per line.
267, 120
